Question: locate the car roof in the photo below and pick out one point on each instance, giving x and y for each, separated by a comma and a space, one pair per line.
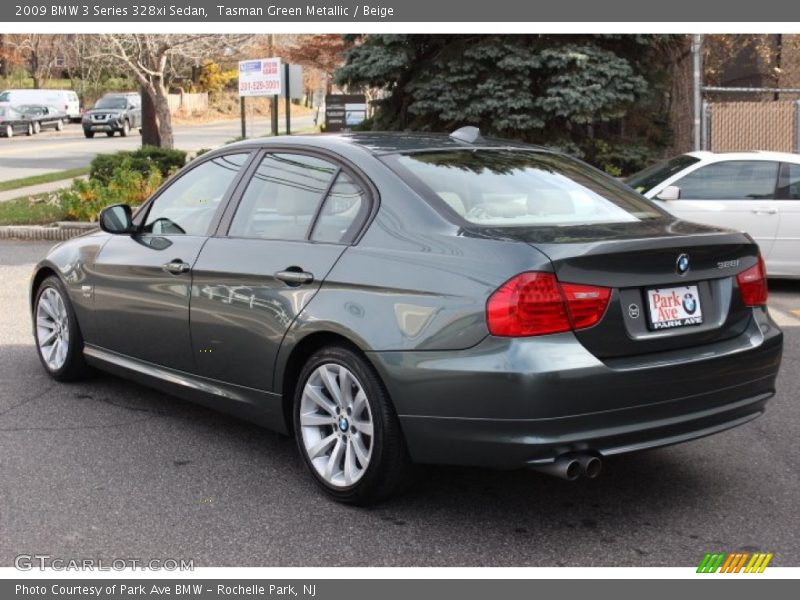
708, 156
386, 142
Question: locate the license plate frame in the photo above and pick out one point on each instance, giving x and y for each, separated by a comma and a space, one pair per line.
674, 307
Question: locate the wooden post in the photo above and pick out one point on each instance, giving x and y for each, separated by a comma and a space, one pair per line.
288, 98
243, 117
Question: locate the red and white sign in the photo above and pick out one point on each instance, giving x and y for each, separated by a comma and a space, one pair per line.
260, 77
674, 307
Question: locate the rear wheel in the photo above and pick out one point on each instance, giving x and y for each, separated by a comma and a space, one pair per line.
347, 430
110, 133
58, 337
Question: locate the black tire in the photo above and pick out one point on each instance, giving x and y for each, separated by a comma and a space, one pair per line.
110, 133
390, 469
88, 134
74, 367
29, 131
126, 129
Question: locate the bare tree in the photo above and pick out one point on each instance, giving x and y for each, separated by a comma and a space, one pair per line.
86, 73
39, 50
149, 58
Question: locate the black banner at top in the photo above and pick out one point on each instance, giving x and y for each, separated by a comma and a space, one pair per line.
338, 11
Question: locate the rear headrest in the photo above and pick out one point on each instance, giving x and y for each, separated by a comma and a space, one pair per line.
454, 201
550, 201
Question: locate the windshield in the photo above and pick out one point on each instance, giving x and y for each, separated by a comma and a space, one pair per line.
519, 188
111, 102
646, 179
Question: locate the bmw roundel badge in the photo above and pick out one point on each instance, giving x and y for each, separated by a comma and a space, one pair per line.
682, 264
689, 303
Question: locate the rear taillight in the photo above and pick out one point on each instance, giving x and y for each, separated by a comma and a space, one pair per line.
535, 303
753, 284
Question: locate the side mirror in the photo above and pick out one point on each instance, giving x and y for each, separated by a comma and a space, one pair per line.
671, 192
116, 219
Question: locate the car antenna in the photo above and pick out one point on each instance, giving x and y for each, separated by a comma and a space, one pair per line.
467, 134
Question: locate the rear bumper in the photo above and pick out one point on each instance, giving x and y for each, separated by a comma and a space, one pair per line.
514, 402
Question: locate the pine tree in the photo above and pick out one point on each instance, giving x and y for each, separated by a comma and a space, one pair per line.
597, 96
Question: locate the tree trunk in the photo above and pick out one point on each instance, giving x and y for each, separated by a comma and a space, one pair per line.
164, 116
150, 133
3, 58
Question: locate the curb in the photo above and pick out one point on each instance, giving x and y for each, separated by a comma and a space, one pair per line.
58, 232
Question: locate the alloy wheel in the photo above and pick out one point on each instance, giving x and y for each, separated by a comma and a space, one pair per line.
336, 425
52, 328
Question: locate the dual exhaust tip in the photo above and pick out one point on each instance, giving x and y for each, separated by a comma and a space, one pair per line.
572, 466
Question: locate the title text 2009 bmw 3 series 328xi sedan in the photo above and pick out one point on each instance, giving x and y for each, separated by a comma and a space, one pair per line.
392, 299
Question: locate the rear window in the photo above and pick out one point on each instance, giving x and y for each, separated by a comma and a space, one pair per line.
646, 179
511, 188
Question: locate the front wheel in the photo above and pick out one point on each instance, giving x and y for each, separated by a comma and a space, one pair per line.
59, 125
347, 430
37, 127
29, 131
126, 129
88, 134
58, 337
9, 131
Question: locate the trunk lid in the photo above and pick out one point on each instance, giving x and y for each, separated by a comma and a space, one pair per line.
636, 258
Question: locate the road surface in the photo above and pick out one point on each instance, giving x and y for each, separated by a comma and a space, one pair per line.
110, 469
22, 156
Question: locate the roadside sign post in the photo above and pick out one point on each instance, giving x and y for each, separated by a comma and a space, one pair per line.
274, 114
288, 99
260, 77
243, 118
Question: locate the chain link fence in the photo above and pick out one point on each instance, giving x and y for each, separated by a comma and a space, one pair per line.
747, 126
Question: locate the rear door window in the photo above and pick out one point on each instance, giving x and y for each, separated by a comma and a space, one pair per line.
282, 197
731, 180
790, 182
341, 212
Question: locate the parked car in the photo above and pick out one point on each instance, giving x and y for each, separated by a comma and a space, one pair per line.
756, 192
43, 117
392, 299
13, 121
65, 100
112, 113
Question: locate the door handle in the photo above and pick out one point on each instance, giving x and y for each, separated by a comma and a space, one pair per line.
176, 267
294, 276
765, 211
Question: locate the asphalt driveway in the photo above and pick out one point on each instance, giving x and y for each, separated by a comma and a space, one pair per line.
110, 469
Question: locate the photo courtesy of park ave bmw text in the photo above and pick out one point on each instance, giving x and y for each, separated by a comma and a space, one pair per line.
332, 300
